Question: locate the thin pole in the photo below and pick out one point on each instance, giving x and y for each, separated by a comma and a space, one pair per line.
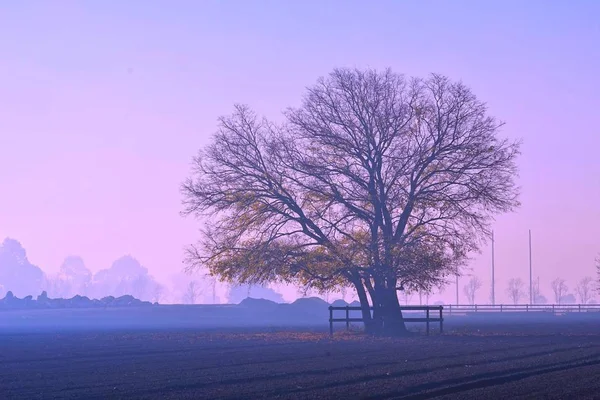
456, 289
530, 273
493, 276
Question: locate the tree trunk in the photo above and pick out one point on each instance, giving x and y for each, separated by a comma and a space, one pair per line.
368, 320
393, 321
377, 321
387, 317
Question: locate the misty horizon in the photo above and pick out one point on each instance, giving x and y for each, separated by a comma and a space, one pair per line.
125, 275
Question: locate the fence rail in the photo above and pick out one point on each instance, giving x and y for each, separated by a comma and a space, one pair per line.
550, 308
409, 309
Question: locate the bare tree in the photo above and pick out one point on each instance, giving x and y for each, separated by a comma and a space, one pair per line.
559, 287
471, 288
158, 292
516, 290
377, 182
212, 285
598, 272
192, 293
584, 290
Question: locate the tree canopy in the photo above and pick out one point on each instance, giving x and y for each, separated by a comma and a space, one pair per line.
376, 181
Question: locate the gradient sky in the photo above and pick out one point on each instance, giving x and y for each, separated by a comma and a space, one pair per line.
104, 103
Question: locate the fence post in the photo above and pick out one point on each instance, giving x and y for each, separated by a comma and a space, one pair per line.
580, 308
330, 321
526, 307
441, 320
475, 307
500, 307
427, 321
347, 318
553, 312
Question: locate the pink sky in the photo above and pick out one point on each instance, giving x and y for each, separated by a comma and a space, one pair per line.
103, 104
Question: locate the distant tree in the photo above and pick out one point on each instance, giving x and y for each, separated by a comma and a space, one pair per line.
126, 276
569, 298
158, 293
559, 287
141, 287
515, 290
471, 288
407, 296
538, 298
212, 283
57, 287
584, 290
192, 293
76, 276
428, 293
17, 274
598, 272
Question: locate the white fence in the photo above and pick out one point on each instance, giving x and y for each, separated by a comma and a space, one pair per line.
550, 308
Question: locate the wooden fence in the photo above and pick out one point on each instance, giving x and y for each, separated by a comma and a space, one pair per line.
410, 309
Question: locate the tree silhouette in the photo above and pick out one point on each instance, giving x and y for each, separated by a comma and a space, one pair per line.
158, 293
377, 182
584, 290
598, 272
192, 293
559, 287
17, 274
471, 288
515, 290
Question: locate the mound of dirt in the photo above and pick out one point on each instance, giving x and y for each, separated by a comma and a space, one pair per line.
310, 306
339, 303
259, 304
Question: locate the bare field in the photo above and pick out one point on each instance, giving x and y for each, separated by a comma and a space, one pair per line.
549, 359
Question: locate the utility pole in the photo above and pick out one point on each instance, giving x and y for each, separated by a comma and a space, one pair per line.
530, 273
456, 289
493, 277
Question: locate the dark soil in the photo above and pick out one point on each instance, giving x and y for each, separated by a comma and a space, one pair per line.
529, 361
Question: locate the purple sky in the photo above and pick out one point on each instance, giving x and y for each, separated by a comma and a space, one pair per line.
103, 104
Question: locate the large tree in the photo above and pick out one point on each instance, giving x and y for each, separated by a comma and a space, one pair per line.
376, 181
